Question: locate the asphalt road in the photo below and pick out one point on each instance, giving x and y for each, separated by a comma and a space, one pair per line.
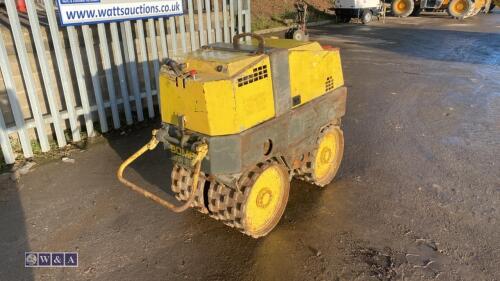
416, 198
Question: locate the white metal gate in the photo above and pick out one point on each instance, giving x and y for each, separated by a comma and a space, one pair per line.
63, 81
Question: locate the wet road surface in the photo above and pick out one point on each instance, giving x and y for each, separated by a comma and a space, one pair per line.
416, 198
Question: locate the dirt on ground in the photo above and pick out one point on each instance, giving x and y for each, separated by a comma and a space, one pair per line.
416, 198
269, 8
278, 13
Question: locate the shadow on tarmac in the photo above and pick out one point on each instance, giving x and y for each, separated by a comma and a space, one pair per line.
13, 233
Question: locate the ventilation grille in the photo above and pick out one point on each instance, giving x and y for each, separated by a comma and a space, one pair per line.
329, 84
258, 74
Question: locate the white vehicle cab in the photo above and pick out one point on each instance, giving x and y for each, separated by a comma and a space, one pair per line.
362, 9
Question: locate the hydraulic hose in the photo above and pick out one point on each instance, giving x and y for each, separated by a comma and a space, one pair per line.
201, 152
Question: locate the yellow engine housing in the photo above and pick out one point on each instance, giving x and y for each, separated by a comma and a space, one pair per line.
233, 90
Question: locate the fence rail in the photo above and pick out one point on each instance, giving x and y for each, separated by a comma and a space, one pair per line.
57, 83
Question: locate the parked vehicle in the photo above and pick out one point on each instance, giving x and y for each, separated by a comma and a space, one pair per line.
362, 9
459, 9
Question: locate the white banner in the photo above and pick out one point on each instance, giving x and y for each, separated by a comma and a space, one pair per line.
81, 12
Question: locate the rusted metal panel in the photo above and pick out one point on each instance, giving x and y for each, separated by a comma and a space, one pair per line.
291, 135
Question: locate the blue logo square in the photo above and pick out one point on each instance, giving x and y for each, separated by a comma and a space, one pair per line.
57, 259
43, 259
30, 259
71, 259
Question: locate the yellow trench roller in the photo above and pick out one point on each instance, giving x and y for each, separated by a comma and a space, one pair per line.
241, 120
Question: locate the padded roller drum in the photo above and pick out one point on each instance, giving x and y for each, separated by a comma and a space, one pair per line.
324, 160
265, 195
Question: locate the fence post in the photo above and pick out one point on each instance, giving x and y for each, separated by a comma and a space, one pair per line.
217, 21
192, 33
248, 17
27, 75
63, 71
173, 37
47, 81
163, 39
226, 23
106, 63
182, 29
94, 73
118, 59
240, 16
143, 59
14, 102
201, 31
131, 61
209, 21
232, 18
80, 78
154, 56
7, 152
